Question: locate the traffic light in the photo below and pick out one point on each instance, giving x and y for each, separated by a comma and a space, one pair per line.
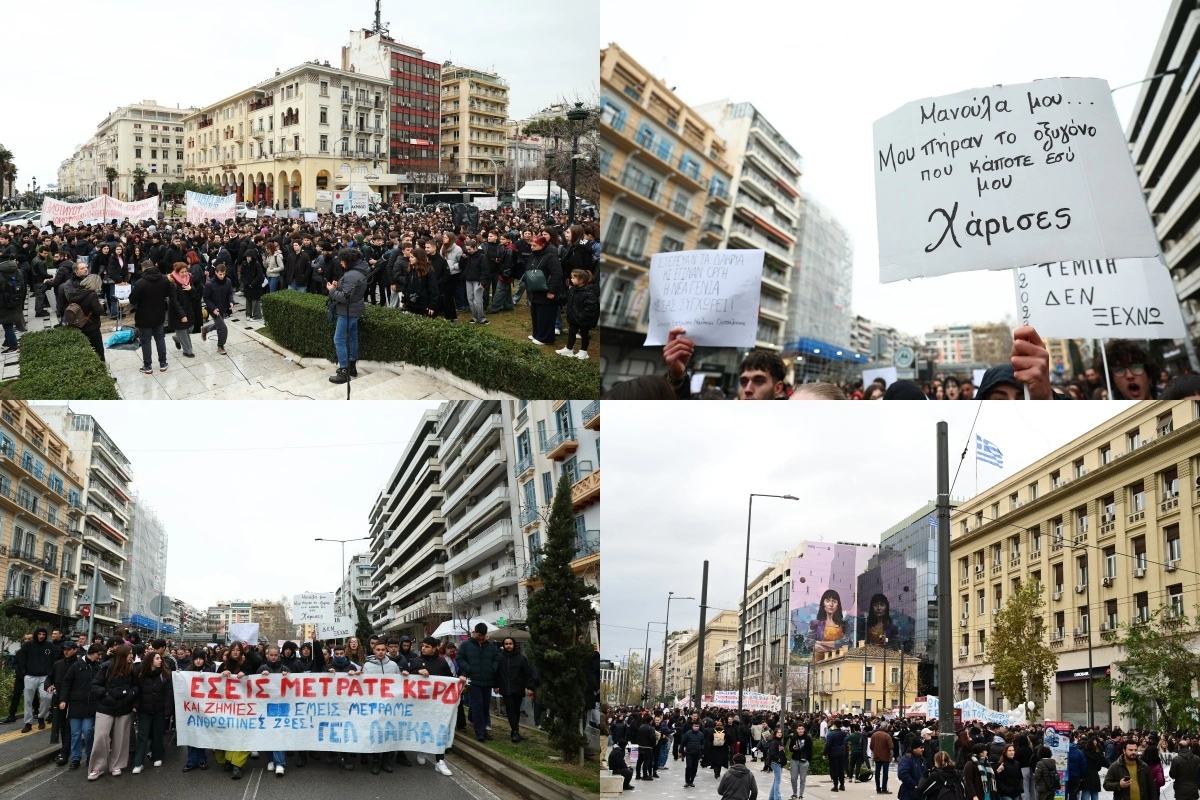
645, 695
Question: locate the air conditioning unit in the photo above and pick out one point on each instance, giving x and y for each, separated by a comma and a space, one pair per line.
1198, 481
962, 651
502, 591
1140, 572
1079, 588
1058, 595
995, 612
1171, 566
1103, 627
1107, 581
1079, 631
962, 623
1106, 518
978, 569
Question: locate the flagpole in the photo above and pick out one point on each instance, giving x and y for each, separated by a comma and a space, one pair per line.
1107, 378
976, 473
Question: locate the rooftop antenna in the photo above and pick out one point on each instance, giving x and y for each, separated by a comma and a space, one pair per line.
379, 28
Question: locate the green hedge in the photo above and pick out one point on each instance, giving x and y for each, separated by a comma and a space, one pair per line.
60, 364
300, 322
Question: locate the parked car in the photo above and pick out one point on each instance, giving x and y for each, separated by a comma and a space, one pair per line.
241, 209
25, 218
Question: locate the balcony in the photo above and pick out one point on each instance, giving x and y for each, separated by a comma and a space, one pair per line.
435, 572
560, 444
29, 557
527, 517
490, 502
490, 425
262, 103
120, 469
481, 475
718, 196
490, 541
634, 256
486, 584
107, 520
112, 567
591, 416
587, 544
426, 606
759, 241
258, 133
525, 465
22, 599
586, 491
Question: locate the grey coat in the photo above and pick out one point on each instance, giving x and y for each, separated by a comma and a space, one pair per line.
348, 295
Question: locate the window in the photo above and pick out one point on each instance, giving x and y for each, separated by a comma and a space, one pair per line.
966, 606
1174, 551
979, 596
1109, 503
296, 142
1055, 479
690, 166
1110, 614
1060, 623
1014, 546
1175, 599
982, 641
894, 678
1133, 440
1082, 615
1033, 492
1141, 605
1079, 469
1081, 571
1170, 483
1012, 501
997, 555
670, 245
1106, 454
1139, 552
868, 673
1058, 578
548, 487
965, 568
1164, 425
1035, 538
636, 245
995, 510
1058, 531
997, 597
137, 152
611, 115
1138, 490
324, 115
324, 143
1110, 562
324, 90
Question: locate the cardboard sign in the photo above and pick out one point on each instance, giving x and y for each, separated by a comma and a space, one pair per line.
887, 373
203, 207
310, 216
314, 607
711, 294
1006, 176
1128, 299
244, 632
316, 711
341, 628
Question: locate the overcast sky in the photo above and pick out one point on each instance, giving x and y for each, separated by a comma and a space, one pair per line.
85, 59
680, 474
822, 73
243, 488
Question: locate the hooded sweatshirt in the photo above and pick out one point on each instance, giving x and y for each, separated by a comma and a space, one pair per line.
36, 656
738, 784
385, 667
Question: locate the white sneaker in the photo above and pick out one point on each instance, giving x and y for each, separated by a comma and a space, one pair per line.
254, 754
565, 352
270, 766
442, 768
158, 763
531, 338
279, 770
420, 759
137, 770
582, 355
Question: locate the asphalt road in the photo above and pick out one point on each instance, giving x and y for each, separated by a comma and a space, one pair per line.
314, 780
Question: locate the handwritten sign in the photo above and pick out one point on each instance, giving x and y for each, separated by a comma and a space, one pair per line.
341, 628
316, 711
203, 207
314, 607
1127, 299
751, 701
138, 209
310, 216
62, 213
711, 294
1006, 176
244, 632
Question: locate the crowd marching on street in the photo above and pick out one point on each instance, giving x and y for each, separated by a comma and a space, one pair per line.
185, 278
989, 762
1132, 372
111, 706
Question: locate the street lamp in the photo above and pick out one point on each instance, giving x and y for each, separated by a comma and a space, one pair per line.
745, 591
549, 161
1146, 80
666, 632
342, 542
495, 176
575, 115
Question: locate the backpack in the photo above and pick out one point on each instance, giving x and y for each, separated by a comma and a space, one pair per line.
1050, 780
75, 317
952, 790
718, 738
12, 295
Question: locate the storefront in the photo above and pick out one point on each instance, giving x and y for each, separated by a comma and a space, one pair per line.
1073, 699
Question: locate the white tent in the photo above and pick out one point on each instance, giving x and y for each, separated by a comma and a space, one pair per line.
460, 627
536, 190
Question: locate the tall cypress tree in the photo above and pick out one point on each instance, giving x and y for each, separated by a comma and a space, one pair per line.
362, 627
560, 614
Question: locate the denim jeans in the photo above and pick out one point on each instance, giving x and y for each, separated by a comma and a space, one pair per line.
778, 770
81, 735
160, 342
195, 756
345, 340
460, 294
114, 307
480, 698
881, 769
274, 283
10, 334
295, 287
279, 757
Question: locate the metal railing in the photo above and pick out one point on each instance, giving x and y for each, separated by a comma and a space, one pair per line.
553, 440
591, 411
587, 543
527, 515
525, 463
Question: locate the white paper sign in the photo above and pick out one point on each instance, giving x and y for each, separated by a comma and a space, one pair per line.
977, 377
711, 294
1128, 299
887, 373
306, 711
1006, 176
313, 607
310, 216
251, 213
342, 628
244, 632
486, 203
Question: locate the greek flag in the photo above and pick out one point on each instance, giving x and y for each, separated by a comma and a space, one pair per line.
987, 452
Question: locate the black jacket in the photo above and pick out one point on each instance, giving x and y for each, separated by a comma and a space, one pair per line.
546, 260
646, 735
473, 266
435, 664
420, 293
115, 697
170, 255
583, 305
57, 673
154, 692
514, 675
1183, 772
577, 256
801, 747
150, 296
181, 303
76, 688
1009, 781
297, 268
36, 658
218, 296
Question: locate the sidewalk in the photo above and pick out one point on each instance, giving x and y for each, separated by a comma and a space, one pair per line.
18, 750
817, 787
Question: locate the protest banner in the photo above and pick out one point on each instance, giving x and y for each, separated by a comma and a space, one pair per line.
1005, 177
268, 212
313, 607
243, 632
1127, 299
134, 211
753, 701
310, 216
306, 711
203, 207
711, 294
61, 213
340, 628
887, 373
486, 203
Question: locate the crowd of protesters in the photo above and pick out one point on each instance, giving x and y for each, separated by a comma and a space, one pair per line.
110, 702
988, 760
1128, 367
419, 261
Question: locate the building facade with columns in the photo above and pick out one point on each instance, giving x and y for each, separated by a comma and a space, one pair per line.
279, 142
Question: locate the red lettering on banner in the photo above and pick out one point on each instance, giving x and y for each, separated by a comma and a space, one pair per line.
325, 681
289, 685
370, 684
453, 691
214, 685
309, 689
355, 689
438, 689
231, 689
423, 690
260, 687
343, 685
385, 688
409, 694
197, 689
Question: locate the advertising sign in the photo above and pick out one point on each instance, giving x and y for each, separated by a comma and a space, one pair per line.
824, 596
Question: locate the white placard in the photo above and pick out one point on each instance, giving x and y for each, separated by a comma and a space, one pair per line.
485, 203
978, 377
712, 294
341, 628
310, 216
313, 607
305, 711
887, 373
250, 213
1129, 299
204, 207
1006, 176
244, 632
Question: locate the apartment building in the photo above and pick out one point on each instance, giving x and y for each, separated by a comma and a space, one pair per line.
663, 172
355, 586
474, 106
40, 507
555, 438
719, 633
107, 508
675, 683
307, 129
767, 639
1107, 525
147, 567
407, 527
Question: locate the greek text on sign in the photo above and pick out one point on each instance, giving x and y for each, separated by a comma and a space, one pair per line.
1006, 176
316, 711
312, 607
203, 207
712, 294
1128, 299
342, 628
